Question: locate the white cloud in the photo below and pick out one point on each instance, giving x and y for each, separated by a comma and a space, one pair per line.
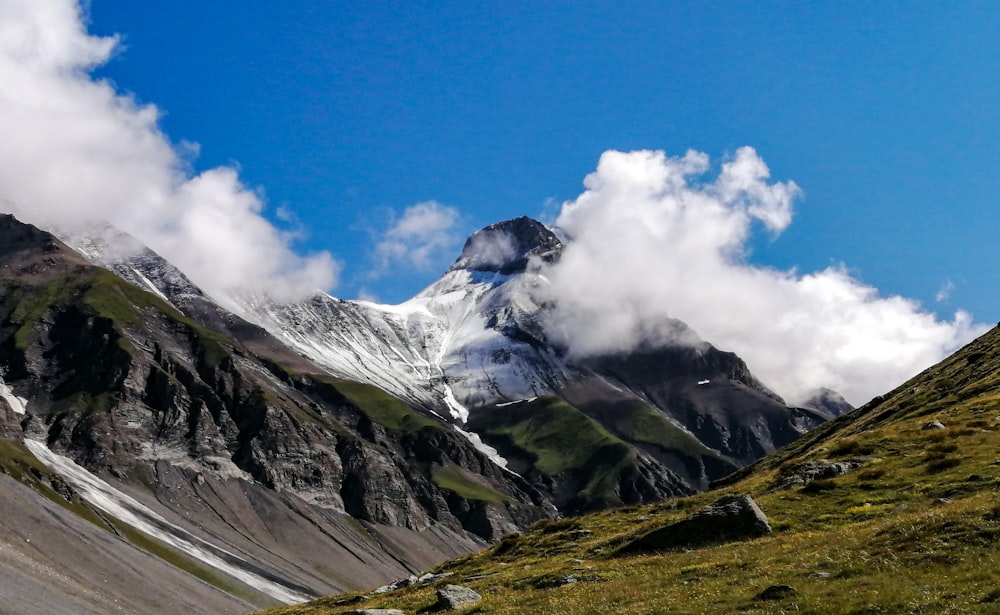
488, 250
419, 239
944, 293
77, 152
652, 239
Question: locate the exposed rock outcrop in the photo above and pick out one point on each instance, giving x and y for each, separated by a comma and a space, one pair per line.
804, 473
729, 519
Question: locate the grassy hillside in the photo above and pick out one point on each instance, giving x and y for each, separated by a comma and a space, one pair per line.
557, 439
913, 528
379, 406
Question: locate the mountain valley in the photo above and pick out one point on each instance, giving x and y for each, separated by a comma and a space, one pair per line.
284, 451
892, 508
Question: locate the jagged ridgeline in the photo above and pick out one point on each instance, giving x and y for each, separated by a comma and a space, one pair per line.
233, 461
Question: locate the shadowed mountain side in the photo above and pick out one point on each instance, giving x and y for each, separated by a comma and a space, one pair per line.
324, 483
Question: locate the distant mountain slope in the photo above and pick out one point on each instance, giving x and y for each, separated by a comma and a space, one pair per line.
475, 339
891, 508
338, 444
293, 477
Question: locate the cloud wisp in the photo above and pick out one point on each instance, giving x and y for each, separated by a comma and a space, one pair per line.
78, 153
420, 239
653, 239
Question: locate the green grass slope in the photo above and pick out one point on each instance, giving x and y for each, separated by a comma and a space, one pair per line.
556, 439
913, 529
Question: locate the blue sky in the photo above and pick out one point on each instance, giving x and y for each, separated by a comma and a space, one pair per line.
345, 114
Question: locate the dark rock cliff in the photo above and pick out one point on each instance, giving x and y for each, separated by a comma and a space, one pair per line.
125, 385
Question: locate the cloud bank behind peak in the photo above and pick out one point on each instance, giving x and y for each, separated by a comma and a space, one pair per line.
653, 239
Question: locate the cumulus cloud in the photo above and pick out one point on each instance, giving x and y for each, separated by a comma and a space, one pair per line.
79, 153
419, 239
652, 239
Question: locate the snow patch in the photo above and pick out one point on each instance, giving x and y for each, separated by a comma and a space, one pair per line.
149, 285
115, 503
516, 401
703, 382
458, 411
491, 453
18, 404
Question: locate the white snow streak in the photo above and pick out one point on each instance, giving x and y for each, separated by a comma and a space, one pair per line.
457, 410
490, 452
149, 285
516, 401
115, 503
18, 404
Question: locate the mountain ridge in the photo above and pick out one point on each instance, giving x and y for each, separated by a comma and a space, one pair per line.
396, 436
890, 508
200, 428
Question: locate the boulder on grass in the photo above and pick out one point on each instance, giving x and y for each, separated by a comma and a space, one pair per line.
729, 519
455, 596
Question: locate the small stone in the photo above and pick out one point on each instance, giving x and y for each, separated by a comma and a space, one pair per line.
820, 575
567, 580
455, 596
375, 612
776, 592
351, 600
933, 425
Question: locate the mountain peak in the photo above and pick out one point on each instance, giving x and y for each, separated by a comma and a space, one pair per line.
506, 247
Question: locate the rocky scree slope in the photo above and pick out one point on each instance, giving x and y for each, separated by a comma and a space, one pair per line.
305, 482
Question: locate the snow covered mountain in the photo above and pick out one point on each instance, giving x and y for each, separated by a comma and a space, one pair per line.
470, 339
250, 440
472, 348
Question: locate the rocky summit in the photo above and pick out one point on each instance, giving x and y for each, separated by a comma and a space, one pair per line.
247, 453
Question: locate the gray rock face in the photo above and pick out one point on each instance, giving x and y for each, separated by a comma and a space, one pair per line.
729, 519
10, 422
506, 247
219, 421
455, 596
